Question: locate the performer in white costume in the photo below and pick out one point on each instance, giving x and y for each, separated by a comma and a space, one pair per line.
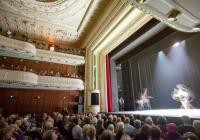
183, 95
144, 101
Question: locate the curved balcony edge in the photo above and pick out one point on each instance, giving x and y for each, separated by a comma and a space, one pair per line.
21, 79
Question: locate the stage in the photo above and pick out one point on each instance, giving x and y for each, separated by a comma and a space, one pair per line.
192, 113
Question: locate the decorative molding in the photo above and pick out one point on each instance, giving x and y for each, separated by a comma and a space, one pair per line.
60, 20
113, 28
17, 45
15, 48
20, 79
186, 20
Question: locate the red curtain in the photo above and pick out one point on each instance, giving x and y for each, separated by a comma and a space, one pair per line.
109, 87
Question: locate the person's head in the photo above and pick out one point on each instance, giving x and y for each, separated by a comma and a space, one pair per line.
161, 121
123, 118
119, 127
119, 119
50, 119
48, 125
196, 125
125, 137
145, 129
50, 135
106, 135
66, 119
114, 119
127, 120
132, 118
87, 120
155, 132
91, 132
19, 123
148, 120
137, 124
94, 121
171, 128
7, 132
110, 118
76, 120
59, 117
190, 136
100, 123
186, 120
85, 129
111, 127
44, 115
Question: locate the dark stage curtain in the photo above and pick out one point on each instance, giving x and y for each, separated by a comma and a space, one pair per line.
159, 69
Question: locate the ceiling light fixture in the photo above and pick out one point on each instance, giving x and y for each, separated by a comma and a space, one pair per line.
196, 28
173, 15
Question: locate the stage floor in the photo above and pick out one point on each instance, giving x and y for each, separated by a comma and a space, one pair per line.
192, 113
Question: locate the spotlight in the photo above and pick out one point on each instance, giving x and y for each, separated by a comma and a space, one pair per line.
196, 28
176, 44
173, 15
141, 1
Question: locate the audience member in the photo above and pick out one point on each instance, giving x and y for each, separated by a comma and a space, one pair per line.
190, 136
162, 124
186, 126
196, 125
172, 133
106, 135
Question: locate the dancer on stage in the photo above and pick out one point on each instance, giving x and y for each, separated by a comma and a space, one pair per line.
184, 95
144, 101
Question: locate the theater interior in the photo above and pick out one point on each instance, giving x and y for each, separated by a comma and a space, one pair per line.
90, 58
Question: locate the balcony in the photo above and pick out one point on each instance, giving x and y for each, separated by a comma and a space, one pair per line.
29, 80
21, 49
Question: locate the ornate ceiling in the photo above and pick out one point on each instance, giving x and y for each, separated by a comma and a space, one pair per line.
60, 21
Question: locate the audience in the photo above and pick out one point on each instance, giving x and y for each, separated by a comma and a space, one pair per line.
41, 73
90, 126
